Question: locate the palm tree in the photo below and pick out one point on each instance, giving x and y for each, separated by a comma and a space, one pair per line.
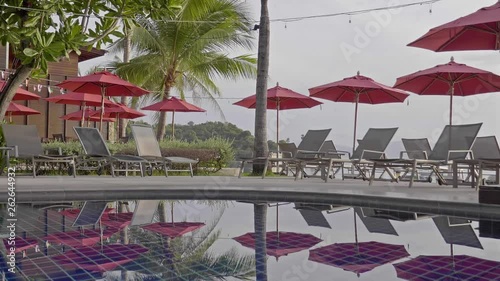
188, 49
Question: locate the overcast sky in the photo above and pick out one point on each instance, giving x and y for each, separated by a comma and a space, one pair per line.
309, 53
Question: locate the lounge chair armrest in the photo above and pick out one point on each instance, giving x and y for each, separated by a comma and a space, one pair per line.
58, 149
407, 152
309, 152
8, 149
283, 153
345, 152
468, 151
382, 154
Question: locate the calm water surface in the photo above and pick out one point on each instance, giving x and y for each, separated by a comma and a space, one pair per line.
319, 243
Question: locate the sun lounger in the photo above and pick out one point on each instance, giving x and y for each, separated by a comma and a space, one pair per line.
486, 157
415, 149
97, 151
372, 146
308, 150
149, 149
455, 143
23, 142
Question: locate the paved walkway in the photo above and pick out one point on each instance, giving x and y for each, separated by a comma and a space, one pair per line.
423, 198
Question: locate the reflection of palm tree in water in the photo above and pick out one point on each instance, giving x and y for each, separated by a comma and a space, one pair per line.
188, 257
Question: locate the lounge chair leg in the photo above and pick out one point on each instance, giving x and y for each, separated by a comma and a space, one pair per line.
111, 165
413, 171
34, 166
191, 169
329, 170
166, 168
265, 169
372, 176
241, 168
142, 171
73, 166
298, 168
480, 176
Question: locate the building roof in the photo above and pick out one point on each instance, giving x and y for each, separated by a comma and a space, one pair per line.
90, 54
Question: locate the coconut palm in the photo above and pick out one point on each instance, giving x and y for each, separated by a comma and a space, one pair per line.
188, 49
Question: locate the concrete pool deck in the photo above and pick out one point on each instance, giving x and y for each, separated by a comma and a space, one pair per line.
422, 198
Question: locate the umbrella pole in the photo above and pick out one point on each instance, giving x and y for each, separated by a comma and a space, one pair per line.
452, 92
102, 107
10, 117
278, 125
355, 122
173, 119
355, 231
82, 122
452, 257
172, 213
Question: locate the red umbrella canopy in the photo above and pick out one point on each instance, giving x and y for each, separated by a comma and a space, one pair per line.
88, 114
438, 80
365, 88
77, 98
282, 99
123, 111
174, 104
21, 94
358, 257
282, 243
477, 31
98, 81
17, 109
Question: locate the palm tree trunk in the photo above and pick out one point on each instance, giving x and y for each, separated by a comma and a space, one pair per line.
260, 145
8, 92
260, 215
162, 123
122, 123
124, 232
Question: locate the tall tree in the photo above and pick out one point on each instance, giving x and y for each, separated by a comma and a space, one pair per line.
45, 31
187, 50
261, 147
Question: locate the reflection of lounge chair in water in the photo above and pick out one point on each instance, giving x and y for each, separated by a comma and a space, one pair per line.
457, 231
313, 213
375, 224
393, 215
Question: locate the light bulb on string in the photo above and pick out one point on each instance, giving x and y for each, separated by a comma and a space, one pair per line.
350, 19
430, 8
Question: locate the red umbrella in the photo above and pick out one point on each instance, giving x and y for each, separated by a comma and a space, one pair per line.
100, 259
88, 114
358, 89
122, 111
18, 109
280, 98
21, 94
81, 99
281, 243
173, 230
358, 257
103, 83
452, 79
173, 104
477, 31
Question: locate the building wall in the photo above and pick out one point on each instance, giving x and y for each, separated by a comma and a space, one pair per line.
48, 122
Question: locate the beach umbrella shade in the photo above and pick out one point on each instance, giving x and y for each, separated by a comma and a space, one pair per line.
460, 267
21, 94
477, 31
100, 259
81, 99
121, 111
453, 79
282, 243
173, 105
88, 114
18, 109
279, 98
116, 220
358, 257
102, 83
21, 244
358, 89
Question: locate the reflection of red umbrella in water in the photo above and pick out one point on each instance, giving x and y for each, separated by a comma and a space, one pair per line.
100, 259
81, 99
85, 237
173, 105
453, 79
477, 31
17, 109
173, 229
102, 83
282, 243
358, 257
280, 98
358, 89
461, 267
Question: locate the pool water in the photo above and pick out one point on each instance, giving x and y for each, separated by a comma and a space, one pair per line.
214, 240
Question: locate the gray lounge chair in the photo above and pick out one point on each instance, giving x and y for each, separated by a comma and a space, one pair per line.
23, 142
149, 149
97, 151
372, 146
487, 157
308, 150
415, 149
455, 143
